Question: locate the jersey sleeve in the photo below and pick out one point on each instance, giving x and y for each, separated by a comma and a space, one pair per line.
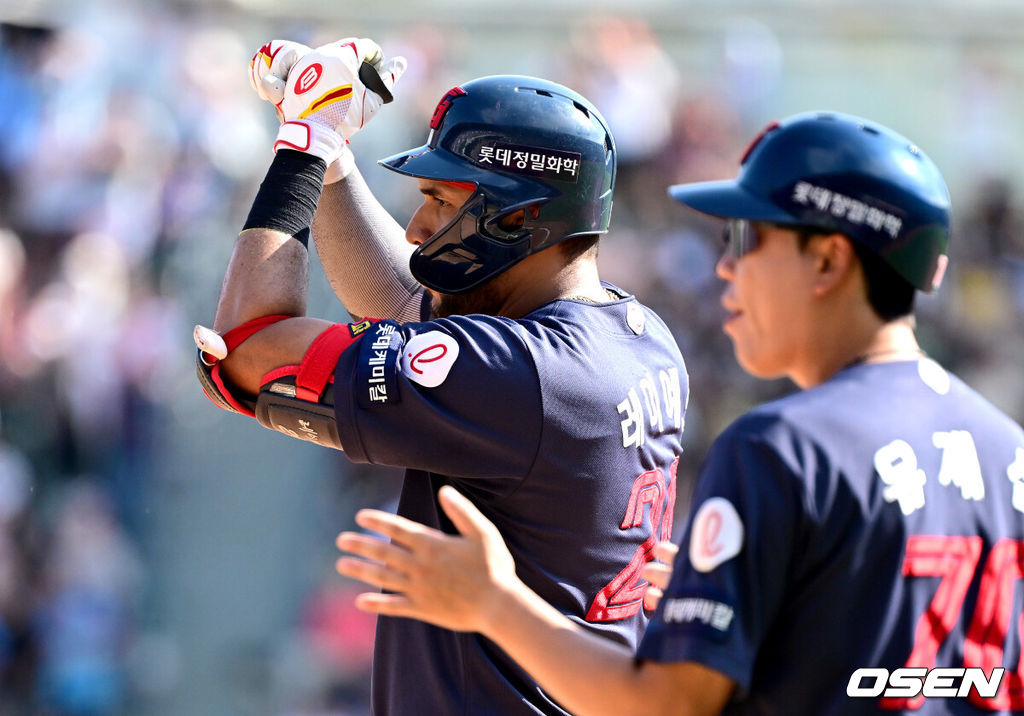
457, 396
729, 578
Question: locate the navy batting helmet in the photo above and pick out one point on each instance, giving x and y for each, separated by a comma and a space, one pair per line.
523, 142
835, 172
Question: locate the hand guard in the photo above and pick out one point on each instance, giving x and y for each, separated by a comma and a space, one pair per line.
331, 93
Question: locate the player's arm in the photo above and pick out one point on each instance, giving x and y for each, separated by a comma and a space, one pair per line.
272, 363
263, 358
468, 583
361, 247
267, 275
364, 253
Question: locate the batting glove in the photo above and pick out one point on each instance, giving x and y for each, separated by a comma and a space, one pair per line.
268, 76
269, 67
331, 93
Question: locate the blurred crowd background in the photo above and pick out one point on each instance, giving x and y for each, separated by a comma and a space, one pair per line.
158, 556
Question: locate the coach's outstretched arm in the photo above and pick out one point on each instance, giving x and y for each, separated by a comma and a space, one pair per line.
362, 248
469, 583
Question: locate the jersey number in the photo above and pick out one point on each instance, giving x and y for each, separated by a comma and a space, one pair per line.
954, 559
624, 596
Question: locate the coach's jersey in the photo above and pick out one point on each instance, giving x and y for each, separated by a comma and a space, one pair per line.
564, 428
875, 521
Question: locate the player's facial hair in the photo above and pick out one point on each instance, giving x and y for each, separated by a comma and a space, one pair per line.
487, 299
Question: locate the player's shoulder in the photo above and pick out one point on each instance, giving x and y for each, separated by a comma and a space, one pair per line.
474, 341
478, 330
979, 408
838, 409
620, 329
866, 399
622, 316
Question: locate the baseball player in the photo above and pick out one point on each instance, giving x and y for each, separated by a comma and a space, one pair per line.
856, 547
552, 400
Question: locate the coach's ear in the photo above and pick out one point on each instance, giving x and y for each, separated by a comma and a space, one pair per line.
835, 262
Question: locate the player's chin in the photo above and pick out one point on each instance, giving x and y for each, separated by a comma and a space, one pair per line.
443, 305
753, 362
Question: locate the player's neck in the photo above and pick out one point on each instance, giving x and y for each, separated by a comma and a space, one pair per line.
545, 276
848, 343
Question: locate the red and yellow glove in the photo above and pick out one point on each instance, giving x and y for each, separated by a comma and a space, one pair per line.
324, 96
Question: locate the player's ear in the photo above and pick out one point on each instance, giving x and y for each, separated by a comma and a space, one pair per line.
834, 261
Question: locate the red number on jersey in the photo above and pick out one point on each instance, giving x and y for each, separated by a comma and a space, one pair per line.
990, 625
954, 559
624, 596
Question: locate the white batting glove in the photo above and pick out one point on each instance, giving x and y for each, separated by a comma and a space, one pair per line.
331, 93
269, 67
374, 78
268, 76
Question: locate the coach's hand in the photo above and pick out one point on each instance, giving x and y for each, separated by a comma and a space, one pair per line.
659, 573
454, 582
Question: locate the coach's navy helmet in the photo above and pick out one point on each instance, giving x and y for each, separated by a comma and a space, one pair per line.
840, 173
523, 142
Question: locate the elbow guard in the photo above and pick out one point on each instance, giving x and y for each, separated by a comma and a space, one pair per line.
297, 400
218, 389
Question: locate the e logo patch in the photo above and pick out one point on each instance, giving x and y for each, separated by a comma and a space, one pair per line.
429, 357
717, 534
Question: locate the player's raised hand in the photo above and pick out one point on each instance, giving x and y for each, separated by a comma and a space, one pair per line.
451, 581
659, 573
331, 93
341, 84
269, 68
377, 77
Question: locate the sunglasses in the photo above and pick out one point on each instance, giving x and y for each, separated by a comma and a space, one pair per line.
739, 237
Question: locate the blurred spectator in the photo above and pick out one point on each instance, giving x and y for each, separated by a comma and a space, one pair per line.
85, 615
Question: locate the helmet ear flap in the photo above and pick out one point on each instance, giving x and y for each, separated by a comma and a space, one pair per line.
514, 223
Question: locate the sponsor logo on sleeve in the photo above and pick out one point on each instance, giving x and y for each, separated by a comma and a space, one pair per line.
717, 534
377, 372
428, 358
704, 612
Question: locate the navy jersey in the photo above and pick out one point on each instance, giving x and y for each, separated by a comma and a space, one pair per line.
874, 521
564, 428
